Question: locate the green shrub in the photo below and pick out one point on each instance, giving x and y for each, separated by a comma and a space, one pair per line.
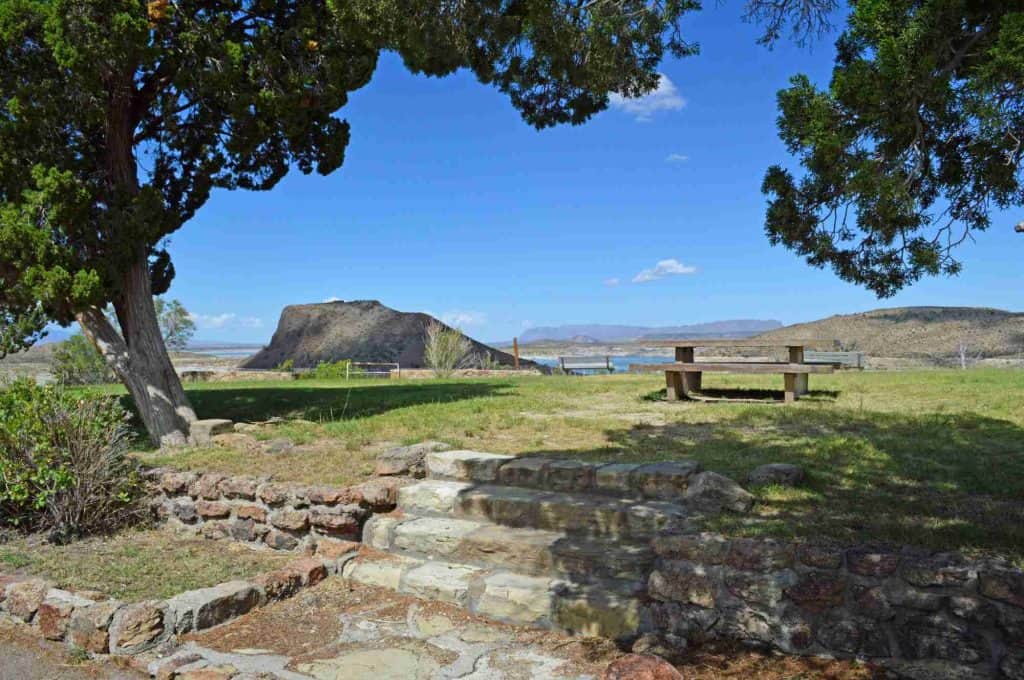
76, 362
286, 366
332, 370
64, 464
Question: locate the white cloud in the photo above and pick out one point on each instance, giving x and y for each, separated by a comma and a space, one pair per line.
676, 158
459, 318
612, 282
670, 267
665, 97
226, 320
333, 299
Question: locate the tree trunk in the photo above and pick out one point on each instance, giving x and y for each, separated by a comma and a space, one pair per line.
140, 359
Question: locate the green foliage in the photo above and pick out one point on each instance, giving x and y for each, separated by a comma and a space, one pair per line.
176, 324
77, 362
64, 464
286, 366
331, 370
120, 117
916, 140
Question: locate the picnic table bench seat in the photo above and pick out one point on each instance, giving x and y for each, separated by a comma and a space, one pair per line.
684, 375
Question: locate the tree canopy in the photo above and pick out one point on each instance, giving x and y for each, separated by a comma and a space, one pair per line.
119, 117
912, 147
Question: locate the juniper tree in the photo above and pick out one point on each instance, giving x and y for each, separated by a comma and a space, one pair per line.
914, 144
119, 117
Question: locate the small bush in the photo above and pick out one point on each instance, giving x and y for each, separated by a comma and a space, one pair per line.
328, 370
446, 349
76, 362
64, 464
286, 366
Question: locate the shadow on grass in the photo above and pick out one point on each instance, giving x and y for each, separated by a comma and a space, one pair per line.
945, 481
741, 394
329, 402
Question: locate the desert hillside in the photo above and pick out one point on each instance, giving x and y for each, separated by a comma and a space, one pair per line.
362, 330
915, 332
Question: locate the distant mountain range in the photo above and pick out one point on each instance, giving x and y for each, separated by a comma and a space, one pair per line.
736, 328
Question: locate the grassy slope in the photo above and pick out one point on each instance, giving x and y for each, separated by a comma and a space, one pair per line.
925, 457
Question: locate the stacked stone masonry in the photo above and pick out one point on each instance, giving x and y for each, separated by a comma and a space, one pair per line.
255, 511
97, 625
921, 614
536, 539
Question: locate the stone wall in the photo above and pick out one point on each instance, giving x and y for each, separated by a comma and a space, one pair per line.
147, 632
281, 516
921, 614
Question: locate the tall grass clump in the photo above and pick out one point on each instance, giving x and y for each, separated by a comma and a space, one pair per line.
446, 349
64, 464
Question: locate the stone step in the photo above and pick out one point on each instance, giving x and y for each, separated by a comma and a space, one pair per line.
662, 481
533, 552
609, 609
571, 513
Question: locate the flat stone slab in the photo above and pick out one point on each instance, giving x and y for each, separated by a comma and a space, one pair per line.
527, 551
207, 607
202, 432
381, 572
471, 466
440, 581
433, 535
517, 599
431, 497
568, 512
379, 531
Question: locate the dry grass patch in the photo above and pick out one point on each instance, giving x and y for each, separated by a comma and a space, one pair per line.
137, 565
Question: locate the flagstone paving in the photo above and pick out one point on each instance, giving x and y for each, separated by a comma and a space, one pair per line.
358, 632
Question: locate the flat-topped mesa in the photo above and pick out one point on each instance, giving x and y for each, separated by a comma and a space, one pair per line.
667, 481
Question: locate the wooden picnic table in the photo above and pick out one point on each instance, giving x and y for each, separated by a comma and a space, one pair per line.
684, 376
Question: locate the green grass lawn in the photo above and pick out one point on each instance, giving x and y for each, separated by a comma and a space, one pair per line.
926, 457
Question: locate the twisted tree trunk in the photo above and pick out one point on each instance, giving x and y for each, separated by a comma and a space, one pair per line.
140, 359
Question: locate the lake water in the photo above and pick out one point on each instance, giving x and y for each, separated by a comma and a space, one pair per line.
621, 363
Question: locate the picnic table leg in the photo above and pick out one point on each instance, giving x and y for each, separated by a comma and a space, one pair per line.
674, 387
796, 356
691, 382
791, 387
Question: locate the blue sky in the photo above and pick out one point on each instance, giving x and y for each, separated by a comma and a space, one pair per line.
449, 203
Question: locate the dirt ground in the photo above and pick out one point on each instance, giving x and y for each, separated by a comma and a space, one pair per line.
23, 656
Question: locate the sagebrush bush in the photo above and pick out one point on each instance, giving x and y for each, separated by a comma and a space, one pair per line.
64, 464
446, 349
76, 362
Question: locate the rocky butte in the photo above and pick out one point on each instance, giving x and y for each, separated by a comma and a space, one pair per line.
361, 330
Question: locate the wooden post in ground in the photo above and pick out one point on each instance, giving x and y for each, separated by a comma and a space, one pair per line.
796, 356
791, 385
515, 351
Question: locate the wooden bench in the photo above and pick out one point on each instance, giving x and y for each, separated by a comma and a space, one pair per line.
684, 376
579, 364
839, 359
